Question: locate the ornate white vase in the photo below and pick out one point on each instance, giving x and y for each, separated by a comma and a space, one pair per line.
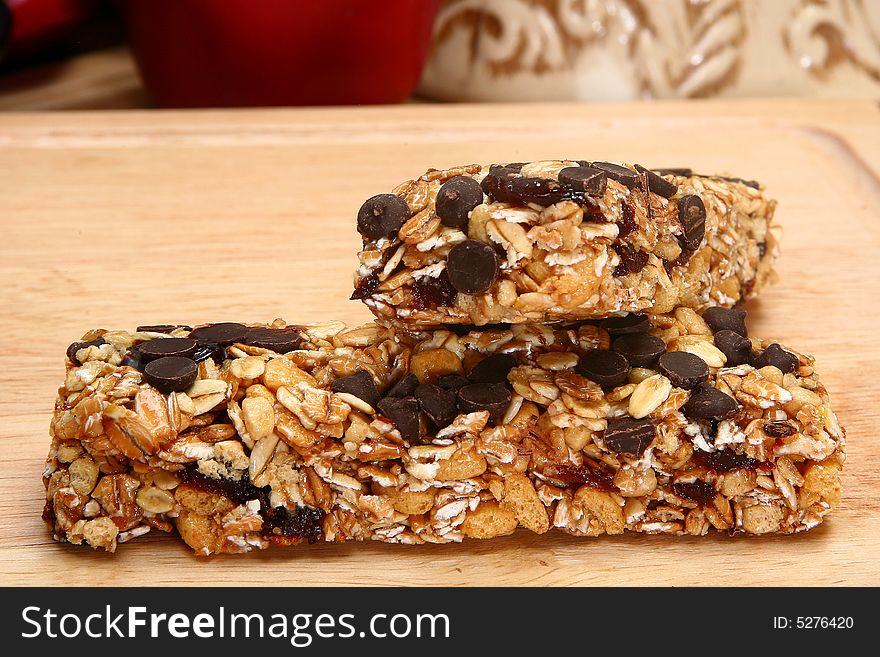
536, 50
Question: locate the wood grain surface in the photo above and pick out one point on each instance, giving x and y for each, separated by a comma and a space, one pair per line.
117, 219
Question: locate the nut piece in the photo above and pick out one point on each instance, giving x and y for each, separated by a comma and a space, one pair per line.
282, 372
488, 520
259, 417
699, 346
429, 365
648, 395
154, 500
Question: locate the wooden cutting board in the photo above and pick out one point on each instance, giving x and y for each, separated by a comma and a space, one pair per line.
117, 219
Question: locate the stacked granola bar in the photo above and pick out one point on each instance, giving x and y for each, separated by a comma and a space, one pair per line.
621, 392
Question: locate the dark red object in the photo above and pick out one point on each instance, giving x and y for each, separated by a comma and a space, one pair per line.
197, 53
27, 27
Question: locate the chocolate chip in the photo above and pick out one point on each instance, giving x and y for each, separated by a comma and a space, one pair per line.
779, 358
382, 216
708, 403
132, 358
493, 369
161, 328
492, 397
621, 174
631, 323
657, 184
472, 266
405, 387
697, 491
607, 368
224, 333
736, 349
627, 435
404, 413
674, 171
439, 404
279, 340
171, 373
360, 384
640, 349
76, 346
432, 292
211, 350
632, 260
455, 199
452, 381
730, 319
692, 217
779, 429
539, 191
683, 370
160, 347
589, 180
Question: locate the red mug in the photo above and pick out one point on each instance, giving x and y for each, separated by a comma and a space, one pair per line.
209, 53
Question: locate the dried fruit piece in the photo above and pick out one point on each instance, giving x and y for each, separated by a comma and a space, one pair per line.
697, 491
537, 191
77, 346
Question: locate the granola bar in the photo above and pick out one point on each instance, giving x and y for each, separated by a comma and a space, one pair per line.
560, 241
241, 437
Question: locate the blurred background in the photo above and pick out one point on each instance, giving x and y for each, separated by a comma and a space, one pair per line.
114, 54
